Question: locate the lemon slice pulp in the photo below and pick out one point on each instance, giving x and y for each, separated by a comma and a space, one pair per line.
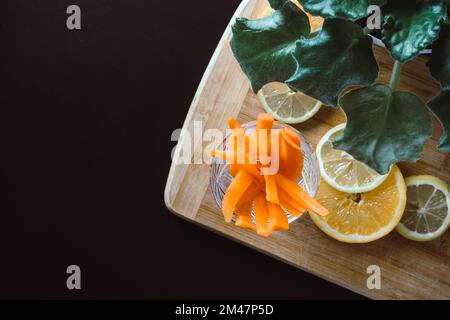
427, 213
286, 105
362, 217
340, 170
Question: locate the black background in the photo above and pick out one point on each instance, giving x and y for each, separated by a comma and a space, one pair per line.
85, 125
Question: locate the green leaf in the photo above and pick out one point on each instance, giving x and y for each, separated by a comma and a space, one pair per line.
439, 63
341, 55
383, 126
347, 9
440, 105
276, 4
264, 47
411, 26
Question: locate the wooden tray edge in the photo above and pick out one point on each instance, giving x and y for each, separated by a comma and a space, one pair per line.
194, 104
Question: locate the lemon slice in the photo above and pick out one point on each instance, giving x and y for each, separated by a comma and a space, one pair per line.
286, 105
341, 170
362, 217
427, 214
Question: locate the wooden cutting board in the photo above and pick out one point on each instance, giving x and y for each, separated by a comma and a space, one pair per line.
409, 270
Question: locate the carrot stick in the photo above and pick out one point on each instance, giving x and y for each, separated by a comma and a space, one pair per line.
244, 215
238, 186
294, 137
249, 195
265, 121
253, 171
252, 148
233, 169
289, 204
291, 156
262, 216
233, 123
304, 199
271, 189
263, 135
278, 218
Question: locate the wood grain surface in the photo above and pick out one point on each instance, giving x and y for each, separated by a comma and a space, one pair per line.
409, 270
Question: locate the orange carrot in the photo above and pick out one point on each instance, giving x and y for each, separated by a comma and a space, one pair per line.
303, 198
271, 189
238, 186
265, 122
249, 195
233, 123
238, 145
244, 215
278, 218
293, 136
252, 148
233, 169
287, 202
253, 171
291, 156
262, 216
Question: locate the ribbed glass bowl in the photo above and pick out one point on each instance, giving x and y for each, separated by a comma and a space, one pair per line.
221, 178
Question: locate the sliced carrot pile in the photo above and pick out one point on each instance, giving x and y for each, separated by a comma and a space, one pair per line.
256, 189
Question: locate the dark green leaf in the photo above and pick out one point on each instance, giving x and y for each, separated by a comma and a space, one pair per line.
341, 55
276, 4
441, 108
264, 47
383, 126
439, 63
347, 9
411, 26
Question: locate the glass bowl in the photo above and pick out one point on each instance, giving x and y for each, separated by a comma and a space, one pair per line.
221, 178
